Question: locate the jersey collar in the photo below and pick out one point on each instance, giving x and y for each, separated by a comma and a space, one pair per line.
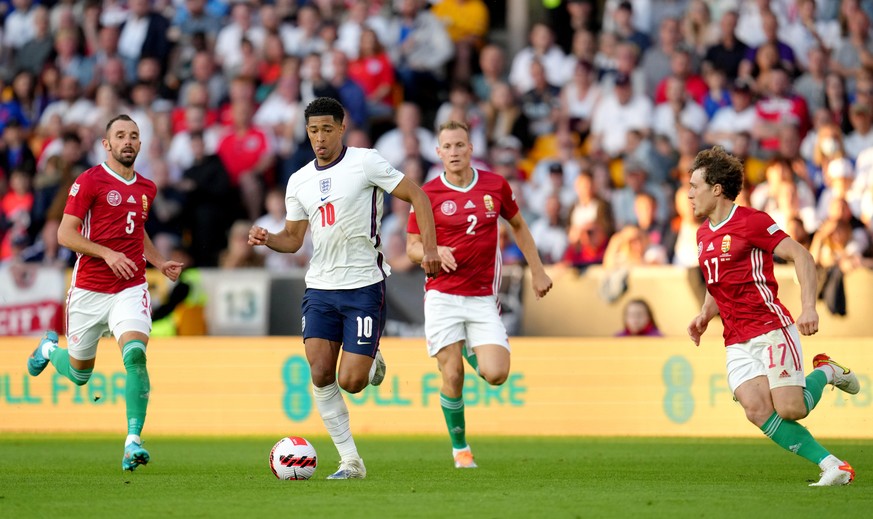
119, 177
461, 189
726, 220
331, 164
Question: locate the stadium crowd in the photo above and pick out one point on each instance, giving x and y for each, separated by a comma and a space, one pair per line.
594, 121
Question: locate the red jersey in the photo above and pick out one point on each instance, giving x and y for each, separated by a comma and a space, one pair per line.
113, 212
240, 153
466, 219
736, 257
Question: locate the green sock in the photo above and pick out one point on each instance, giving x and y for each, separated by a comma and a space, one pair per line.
60, 359
815, 383
136, 393
471, 359
794, 437
453, 411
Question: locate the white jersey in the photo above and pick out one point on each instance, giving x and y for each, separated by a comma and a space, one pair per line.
343, 202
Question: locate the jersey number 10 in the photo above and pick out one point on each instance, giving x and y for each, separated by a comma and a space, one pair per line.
328, 214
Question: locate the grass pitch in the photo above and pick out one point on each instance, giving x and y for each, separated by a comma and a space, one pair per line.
71, 477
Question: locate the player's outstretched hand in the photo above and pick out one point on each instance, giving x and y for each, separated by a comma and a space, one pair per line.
697, 327
542, 283
121, 266
447, 258
172, 269
431, 263
257, 236
807, 323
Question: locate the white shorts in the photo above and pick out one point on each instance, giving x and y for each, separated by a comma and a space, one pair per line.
776, 355
91, 315
474, 319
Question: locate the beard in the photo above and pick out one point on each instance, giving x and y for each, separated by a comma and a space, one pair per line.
125, 160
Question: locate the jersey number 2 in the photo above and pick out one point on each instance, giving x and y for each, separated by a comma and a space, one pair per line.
328, 214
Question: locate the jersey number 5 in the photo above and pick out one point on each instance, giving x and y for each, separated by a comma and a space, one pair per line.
130, 223
328, 214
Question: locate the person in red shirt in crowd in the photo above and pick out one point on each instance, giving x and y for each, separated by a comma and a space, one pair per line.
779, 107
680, 67
247, 154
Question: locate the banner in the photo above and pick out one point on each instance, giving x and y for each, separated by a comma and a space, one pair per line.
246, 386
31, 299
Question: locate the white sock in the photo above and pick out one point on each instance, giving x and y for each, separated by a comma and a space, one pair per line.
132, 438
335, 415
48, 347
828, 370
830, 461
456, 451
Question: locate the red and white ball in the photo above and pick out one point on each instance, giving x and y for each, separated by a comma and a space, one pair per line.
293, 458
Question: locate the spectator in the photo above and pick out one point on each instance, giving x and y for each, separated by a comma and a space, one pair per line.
420, 49
374, 71
541, 48
729, 52
15, 207
579, 97
617, 114
657, 60
623, 200
492, 70
350, 92
238, 253
811, 84
681, 68
247, 154
15, 154
805, 33
677, 110
144, 34
274, 221
698, 30
211, 203
228, 43
638, 320
467, 24
739, 116
861, 138
779, 106
550, 231
784, 54
855, 50
37, 49
837, 101
408, 120
504, 117
304, 40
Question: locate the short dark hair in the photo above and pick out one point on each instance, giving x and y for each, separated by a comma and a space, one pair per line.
120, 117
720, 167
325, 106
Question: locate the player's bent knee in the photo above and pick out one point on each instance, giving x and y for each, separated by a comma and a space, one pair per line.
353, 384
793, 412
493, 377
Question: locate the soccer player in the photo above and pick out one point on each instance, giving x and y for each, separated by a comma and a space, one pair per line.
735, 249
461, 309
103, 223
340, 196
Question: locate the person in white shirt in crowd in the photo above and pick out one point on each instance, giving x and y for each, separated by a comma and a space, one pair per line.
679, 110
408, 120
729, 120
179, 156
550, 230
861, 116
228, 43
542, 48
783, 196
18, 27
616, 114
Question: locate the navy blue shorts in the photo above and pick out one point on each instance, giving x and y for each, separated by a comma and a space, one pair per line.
354, 317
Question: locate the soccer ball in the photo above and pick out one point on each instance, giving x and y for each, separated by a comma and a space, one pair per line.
293, 458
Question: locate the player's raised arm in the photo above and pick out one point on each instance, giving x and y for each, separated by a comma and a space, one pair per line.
804, 266
540, 281
430, 259
289, 239
70, 237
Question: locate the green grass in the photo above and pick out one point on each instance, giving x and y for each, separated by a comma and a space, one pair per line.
70, 477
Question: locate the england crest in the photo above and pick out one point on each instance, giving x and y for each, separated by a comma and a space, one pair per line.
324, 185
